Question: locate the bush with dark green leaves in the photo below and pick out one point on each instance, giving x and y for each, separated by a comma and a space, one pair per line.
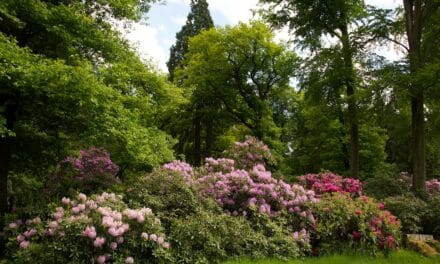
360, 224
385, 185
409, 209
431, 220
166, 193
208, 237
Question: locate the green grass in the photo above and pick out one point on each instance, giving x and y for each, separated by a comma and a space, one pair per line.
400, 257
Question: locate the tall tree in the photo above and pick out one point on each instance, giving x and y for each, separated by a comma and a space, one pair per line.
58, 62
243, 69
421, 24
351, 27
197, 20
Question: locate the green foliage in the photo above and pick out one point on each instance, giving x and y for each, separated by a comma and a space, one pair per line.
410, 210
237, 73
84, 230
166, 193
209, 238
384, 183
431, 221
358, 224
198, 19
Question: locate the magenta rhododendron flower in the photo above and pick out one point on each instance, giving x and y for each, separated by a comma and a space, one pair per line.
329, 182
433, 186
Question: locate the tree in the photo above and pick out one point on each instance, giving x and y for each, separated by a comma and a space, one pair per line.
242, 69
59, 93
351, 26
421, 24
197, 20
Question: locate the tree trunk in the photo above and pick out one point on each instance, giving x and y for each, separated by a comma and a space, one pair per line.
208, 139
197, 139
413, 17
5, 157
418, 143
351, 101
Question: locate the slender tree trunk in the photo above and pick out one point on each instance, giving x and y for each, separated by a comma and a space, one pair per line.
5, 157
418, 143
413, 17
197, 138
351, 101
208, 139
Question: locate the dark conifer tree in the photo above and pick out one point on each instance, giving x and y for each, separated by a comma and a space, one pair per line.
198, 19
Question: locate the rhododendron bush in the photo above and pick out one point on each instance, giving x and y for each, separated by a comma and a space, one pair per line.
92, 171
329, 182
433, 186
99, 229
243, 187
249, 153
360, 223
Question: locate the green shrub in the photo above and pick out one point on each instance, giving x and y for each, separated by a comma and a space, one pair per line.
360, 224
409, 209
431, 220
166, 193
207, 237
100, 228
386, 184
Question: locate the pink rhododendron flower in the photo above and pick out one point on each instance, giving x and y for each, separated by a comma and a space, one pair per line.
99, 241
100, 259
24, 244
20, 238
113, 245
129, 260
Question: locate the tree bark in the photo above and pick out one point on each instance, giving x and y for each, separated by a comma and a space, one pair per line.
197, 139
5, 157
208, 139
351, 101
413, 18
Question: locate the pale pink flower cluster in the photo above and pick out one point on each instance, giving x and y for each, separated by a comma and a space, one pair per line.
105, 221
182, 168
219, 165
302, 236
90, 232
249, 153
23, 239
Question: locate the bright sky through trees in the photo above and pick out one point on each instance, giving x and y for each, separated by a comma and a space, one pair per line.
164, 20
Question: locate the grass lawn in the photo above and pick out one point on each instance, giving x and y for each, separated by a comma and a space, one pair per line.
401, 257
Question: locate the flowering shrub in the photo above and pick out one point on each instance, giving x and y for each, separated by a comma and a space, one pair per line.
249, 153
92, 171
100, 229
255, 194
433, 186
182, 168
238, 190
209, 237
219, 165
344, 222
166, 192
410, 210
329, 182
